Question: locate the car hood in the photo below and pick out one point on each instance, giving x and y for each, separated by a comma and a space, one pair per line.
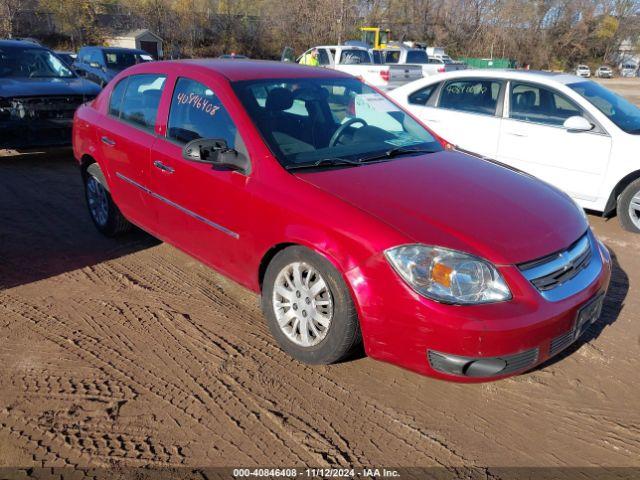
458, 201
33, 87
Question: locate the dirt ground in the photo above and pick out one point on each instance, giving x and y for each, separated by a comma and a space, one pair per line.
128, 352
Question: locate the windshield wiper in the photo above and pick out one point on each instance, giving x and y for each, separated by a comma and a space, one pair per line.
394, 152
324, 162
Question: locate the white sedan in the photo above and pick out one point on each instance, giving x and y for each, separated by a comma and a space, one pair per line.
569, 131
583, 71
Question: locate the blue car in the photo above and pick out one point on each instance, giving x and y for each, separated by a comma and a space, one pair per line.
101, 64
39, 94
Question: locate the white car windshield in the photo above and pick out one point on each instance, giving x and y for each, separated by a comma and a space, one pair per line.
620, 111
310, 120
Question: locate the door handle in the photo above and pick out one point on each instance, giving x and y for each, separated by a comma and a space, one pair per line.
165, 168
108, 141
517, 134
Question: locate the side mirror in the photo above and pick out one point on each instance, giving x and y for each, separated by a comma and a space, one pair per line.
578, 124
216, 152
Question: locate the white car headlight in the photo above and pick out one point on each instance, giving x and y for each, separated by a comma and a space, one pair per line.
448, 276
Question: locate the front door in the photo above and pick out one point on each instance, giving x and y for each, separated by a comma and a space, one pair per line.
201, 209
534, 140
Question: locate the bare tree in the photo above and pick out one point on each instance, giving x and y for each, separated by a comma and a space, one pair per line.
9, 10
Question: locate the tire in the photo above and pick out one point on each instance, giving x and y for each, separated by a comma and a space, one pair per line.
629, 207
342, 334
106, 215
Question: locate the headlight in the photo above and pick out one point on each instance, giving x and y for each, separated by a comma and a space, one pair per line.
448, 276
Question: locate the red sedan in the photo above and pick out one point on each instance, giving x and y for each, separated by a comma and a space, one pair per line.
346, 214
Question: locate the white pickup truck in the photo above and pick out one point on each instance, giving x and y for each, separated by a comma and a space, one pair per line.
402, 55
358, 62
438, 55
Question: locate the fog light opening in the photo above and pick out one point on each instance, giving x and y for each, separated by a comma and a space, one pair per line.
486, 367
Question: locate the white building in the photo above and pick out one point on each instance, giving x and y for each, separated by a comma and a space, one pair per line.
141, 39
628, 52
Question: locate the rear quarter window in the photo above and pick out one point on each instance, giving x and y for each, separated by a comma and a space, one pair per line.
422, 96
115, 101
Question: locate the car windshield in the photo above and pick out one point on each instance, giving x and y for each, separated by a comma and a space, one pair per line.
306, 121
620, 111
21, 62
119, 59
417, 56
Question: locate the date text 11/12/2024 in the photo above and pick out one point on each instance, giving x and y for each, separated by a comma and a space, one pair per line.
316, 472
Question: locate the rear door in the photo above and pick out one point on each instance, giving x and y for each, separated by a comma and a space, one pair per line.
467, 113
534, 139
126, 136
201, 209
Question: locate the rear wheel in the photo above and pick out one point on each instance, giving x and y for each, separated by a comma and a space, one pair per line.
104, 212
308, 307
629, 207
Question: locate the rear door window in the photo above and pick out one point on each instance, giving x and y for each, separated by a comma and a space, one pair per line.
139, 104
196, 112
474, 96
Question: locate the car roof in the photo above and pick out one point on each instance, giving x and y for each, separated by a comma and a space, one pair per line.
21, 44
239, 69
349, 47
510, 74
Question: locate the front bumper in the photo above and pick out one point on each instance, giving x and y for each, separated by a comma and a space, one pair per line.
35, 134
39, 121
406, 329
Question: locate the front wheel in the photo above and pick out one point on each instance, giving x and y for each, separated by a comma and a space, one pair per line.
308, 307
103, 211
629, 207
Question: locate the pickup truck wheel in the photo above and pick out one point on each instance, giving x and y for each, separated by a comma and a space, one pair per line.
103, 211
308, 307
629, 207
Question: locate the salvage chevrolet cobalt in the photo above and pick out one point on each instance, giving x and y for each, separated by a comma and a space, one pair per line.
345, 213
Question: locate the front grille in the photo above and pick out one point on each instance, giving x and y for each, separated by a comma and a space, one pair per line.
29, 122
56, 107
520, 361
561, 342
555, 270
